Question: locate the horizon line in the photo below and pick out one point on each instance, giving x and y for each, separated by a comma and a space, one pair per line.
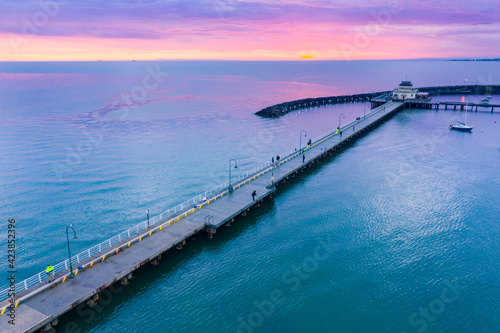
260, 60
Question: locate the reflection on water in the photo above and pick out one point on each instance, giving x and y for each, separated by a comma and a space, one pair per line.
409, 206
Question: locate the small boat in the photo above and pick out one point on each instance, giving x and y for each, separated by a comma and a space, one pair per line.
459, 126
484, 101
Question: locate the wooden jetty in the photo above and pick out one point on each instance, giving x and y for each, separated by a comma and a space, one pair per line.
41, 305
446, 105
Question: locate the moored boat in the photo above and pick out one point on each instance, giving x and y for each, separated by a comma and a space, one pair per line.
459, 126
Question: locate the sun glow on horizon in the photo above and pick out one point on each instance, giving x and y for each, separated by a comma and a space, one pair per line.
259, 30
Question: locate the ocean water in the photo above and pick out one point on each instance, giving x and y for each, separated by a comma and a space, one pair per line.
398, 233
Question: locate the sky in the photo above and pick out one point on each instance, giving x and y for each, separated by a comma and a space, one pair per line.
73, 30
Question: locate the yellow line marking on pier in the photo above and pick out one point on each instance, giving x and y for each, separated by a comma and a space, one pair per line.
3, 310
64, 279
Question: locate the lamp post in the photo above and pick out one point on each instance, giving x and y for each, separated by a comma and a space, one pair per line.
300, 150
69, 251
236, 167
341, 115
147, 213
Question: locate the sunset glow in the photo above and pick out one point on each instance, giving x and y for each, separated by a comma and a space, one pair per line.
247, 30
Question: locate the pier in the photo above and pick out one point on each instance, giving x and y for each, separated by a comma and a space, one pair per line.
39, 303
446, 105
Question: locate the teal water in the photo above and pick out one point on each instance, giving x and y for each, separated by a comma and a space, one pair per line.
358, 244
370, 241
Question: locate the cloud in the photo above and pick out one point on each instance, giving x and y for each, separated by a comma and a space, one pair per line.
262, 26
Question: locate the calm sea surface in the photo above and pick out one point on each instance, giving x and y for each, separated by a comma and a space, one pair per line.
397, 233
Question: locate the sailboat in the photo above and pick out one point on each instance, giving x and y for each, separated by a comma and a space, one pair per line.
459, 126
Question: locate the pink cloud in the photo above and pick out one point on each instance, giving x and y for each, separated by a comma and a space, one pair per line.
260, 29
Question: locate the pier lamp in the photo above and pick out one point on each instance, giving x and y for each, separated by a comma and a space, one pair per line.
300, 150
341, 115
69, 250
236, 167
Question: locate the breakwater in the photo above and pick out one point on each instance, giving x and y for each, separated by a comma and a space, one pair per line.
281, 109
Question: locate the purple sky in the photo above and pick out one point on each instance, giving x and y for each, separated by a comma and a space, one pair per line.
261, 29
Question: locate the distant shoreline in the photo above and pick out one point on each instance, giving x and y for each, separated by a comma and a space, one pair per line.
494, 59
278, 110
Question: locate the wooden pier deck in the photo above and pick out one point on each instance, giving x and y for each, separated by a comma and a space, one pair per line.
443, 105
40, 308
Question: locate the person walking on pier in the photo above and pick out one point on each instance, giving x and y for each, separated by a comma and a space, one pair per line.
272, 160
303, 158
254, 193
50, 273
278, 159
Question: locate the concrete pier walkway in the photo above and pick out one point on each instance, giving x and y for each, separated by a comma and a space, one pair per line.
40, 307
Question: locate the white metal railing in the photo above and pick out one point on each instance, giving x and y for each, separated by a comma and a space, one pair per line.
170, 213
166, 215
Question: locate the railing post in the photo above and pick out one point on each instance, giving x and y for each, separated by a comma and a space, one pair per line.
25, 285
66, 263
89, 252
109, 241
119, 237
100, 247
78, 258
40, 277
128, 233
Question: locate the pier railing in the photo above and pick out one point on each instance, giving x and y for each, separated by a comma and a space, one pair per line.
103, 247
94, 251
